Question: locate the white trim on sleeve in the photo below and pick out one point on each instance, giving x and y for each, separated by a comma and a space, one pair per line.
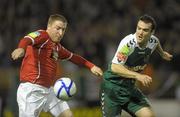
31, 39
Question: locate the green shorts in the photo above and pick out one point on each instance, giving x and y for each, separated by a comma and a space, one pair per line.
115, 97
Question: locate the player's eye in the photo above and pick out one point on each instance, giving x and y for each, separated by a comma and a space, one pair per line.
146, 30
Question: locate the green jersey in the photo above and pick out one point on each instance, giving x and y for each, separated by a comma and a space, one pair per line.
119, 93
131, 55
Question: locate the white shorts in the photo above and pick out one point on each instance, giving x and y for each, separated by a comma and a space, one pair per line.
33, 98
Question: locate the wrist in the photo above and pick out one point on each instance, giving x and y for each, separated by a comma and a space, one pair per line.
136, 76
89, 64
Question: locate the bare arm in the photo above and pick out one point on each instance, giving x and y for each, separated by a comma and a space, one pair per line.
124, 72
165, 55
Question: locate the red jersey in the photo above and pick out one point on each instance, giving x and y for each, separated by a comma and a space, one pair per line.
42, 54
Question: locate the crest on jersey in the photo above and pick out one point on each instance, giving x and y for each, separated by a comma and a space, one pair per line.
123, 53
121, 57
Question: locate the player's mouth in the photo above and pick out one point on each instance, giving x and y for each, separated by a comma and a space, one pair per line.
140, 37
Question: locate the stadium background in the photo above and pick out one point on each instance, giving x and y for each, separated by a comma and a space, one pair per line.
94, 31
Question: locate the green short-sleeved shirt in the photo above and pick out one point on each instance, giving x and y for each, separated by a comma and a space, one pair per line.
119, 93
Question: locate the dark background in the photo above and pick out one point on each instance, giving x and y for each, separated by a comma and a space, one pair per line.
95, 28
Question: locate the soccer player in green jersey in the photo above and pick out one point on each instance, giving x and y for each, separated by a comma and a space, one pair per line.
118, 90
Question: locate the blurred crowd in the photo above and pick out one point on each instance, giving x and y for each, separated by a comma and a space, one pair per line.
95, 28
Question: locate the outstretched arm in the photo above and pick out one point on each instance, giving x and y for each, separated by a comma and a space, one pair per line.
65, 54
165, 55
20, 51
124, 72
82, 61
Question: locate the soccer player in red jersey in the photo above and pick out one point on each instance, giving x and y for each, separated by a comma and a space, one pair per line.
41, 51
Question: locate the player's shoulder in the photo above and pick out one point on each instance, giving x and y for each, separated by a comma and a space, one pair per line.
129, 40
153, 39
37, 33
34, 34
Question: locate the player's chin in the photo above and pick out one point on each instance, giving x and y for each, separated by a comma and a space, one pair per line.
57, 40
139, 40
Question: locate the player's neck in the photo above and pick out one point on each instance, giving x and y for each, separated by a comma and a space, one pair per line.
143, 44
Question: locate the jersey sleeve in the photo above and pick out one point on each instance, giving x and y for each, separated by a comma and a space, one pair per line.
24, 42
33, 38
153, 42
65, 54
125, 48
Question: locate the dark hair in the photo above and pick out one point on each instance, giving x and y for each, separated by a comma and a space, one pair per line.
55, 17
148, 19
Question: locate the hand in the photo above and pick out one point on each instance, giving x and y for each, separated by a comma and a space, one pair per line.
96, 71
144, 79
17, 53
166, 56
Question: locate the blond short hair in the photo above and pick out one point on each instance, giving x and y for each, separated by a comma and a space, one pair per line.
56, 17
